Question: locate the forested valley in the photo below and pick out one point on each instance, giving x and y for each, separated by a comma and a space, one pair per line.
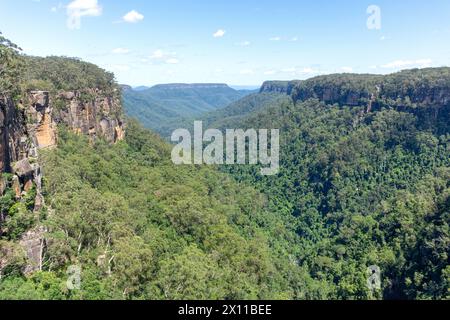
364, 180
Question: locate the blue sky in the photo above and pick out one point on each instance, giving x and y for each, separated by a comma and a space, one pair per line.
145, 42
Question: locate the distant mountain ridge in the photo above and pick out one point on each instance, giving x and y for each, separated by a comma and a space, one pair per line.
190, 86
163, 107
407, 88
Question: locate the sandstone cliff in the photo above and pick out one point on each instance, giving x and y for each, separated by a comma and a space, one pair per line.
31, 125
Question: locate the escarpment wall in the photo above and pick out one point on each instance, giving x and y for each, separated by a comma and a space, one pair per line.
285, 87
13, 135
30, 125
92, 113
425, 93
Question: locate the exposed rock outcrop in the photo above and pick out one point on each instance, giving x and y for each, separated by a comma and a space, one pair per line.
33, 242
92, 113
31, 125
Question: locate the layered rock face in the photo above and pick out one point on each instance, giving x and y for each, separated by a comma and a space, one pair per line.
40, 124
14, 144
91, 113
31, 125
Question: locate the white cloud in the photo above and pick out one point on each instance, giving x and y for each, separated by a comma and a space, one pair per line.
398, 64
269, 72
347, 69
288, 39
243, 43
288, 70
133, 17
424, 63
159, 56
121, 51
246, 72
81, 8
219, 33
172, 61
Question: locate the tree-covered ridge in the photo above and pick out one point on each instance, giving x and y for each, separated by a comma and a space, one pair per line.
66, 74
345, 89
20, 73
422, 86
11, 68
409, 88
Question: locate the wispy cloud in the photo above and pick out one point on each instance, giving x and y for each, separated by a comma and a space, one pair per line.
347, 69
81, 8
219, 33
172, 61
120, 51
398, 64
119, 67
159, 56
133, 17
243, 43
288, 39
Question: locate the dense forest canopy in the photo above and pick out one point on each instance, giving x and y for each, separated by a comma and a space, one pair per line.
161, 231
67, 74
365, 187
11, 68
